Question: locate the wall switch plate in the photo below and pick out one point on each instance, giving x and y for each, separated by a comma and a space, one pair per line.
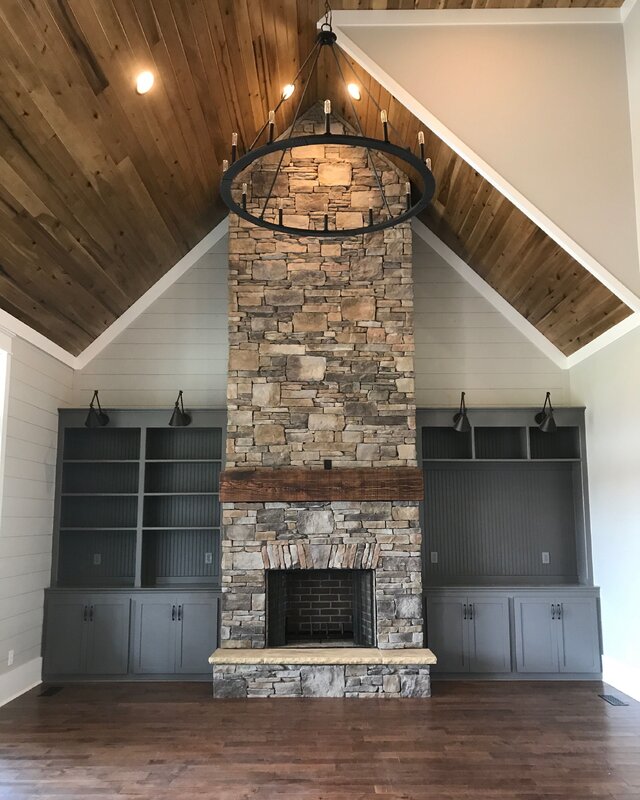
10, 658
434, 558
545, 557
97, 559
208, 558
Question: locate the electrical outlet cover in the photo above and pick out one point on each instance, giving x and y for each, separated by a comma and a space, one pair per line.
97, 559
434, 557
545, 557
208, 558
10, 658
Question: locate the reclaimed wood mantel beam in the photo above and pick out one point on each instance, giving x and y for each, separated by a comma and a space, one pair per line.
288, 484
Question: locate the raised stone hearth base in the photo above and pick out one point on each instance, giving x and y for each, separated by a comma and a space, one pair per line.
314, 673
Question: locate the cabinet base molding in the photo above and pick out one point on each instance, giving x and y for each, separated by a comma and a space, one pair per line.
19, 680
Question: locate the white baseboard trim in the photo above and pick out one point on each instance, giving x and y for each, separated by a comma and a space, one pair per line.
20, 680
624, 677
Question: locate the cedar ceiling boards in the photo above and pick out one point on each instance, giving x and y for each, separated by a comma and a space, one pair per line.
103, 191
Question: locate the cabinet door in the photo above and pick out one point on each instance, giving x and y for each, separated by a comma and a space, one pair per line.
578, 640
65, 635
489, 639
156, 621
108, 635
447, 632
536, 635
197, 633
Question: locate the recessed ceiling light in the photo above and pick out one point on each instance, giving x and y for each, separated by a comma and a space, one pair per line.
288, 90
354, 91
144, 82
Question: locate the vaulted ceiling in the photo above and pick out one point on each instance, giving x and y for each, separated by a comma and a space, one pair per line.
102, 191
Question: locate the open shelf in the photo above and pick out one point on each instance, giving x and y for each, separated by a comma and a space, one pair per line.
500, 443
181, 510
563, 444
182, 477
444, 442
180, 557
101, 444
187, 444
101, 478
118, 511
105, 558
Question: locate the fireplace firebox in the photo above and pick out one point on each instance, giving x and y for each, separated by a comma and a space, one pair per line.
315, 607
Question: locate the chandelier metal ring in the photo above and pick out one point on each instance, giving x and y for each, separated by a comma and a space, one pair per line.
402, 153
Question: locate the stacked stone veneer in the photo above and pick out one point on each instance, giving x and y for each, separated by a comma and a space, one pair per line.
321, 366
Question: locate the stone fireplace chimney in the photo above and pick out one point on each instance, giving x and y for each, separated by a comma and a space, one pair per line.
321, 374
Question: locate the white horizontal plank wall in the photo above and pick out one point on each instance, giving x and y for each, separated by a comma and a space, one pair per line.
464, 344
179, 342
38, 385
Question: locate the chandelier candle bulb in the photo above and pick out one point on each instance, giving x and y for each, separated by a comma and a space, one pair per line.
428, 163
280, 204
407, 191
272, 124
385, 124
234, 147
288, 90
244, 196
327, 116
421, 143
225, 164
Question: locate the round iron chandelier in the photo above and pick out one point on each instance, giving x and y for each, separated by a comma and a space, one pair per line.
272, 217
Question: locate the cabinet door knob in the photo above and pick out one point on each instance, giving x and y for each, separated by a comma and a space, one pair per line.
173, 613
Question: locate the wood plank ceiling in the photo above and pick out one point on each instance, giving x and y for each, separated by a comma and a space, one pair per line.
102, 190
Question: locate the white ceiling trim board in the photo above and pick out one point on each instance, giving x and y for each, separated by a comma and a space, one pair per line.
481, 166
150, 296
489, 293
14, 327
479, 16
621, 329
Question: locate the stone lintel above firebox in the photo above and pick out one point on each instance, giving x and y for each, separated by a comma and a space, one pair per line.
267, 485
324, 655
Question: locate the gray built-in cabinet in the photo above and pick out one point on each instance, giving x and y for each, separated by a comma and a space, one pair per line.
136, 559
507, 558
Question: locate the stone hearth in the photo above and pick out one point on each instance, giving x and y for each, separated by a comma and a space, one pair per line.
321, 368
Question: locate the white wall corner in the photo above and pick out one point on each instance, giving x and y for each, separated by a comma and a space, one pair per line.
468, 154
626, 8
11, 326
490, 294
19, 680
623, 677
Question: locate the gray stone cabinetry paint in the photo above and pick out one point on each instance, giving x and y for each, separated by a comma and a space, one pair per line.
321, 366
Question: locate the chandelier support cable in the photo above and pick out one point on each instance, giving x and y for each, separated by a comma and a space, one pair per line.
291, 129
361, 132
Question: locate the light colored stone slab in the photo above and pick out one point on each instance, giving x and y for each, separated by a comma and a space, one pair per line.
420, 656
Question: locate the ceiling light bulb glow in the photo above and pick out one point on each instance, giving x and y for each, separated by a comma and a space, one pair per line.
144, 82
288, 90
354, 91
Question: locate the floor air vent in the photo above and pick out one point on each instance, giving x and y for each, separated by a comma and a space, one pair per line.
613, 700
50, 691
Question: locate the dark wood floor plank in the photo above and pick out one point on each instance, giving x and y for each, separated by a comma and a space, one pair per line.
470, 741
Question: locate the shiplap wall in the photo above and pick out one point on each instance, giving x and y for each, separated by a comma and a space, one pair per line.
180, 342
38, 385
462, 342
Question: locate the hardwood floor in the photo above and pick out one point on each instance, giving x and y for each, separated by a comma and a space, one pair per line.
494, 741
